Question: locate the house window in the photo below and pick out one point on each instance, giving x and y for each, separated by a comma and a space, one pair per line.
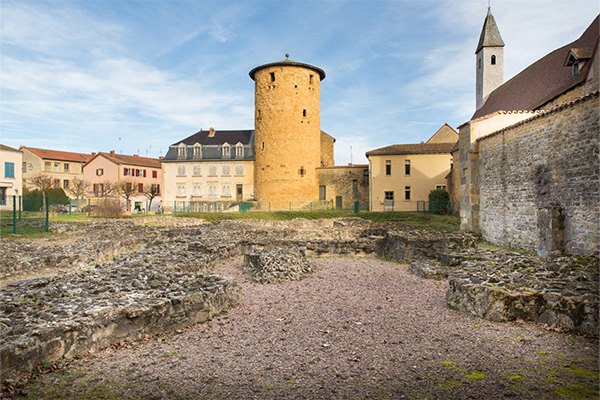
57, 184
212, 169
226, 192
272, 76
366, 176
127, 171
2, 196
322, 192
197, 190
99, 171
226, 151
9, 170
575, 69
239, 150
212, 192
355, 185
181, 169
239, 169
181, 153
389, 198
442, 187
56, 167
47, 166
180, 190
493, 60
407, 167
128, 187
98, 189
197, 170
226, 169
388, 167
66, 184
140, 188
406, 192
197, 151
155, 174
157, 188
65, 167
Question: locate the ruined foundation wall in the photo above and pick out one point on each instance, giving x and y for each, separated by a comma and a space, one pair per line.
540, 176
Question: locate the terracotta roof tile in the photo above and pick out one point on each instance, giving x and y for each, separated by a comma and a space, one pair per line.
413, 149
58, 155
132, 160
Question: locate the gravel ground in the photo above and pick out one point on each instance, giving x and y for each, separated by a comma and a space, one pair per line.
355, 328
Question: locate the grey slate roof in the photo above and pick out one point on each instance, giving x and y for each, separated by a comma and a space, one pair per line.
212, 146
490, 35
288, 63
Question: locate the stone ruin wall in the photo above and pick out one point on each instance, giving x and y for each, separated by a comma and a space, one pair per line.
546, 165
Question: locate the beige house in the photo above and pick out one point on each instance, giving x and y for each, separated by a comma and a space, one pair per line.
109, 174
61, 166
209, 166
402, 175
11, 180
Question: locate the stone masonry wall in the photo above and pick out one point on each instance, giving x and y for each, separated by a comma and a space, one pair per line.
547, 162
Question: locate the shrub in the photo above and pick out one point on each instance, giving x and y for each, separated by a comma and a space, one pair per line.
109, 208
439, 201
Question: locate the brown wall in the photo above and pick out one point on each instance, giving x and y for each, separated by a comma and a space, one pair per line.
338, 181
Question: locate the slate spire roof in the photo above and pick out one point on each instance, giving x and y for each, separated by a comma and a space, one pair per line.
490, 35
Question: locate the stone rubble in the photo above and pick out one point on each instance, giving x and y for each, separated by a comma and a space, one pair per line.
277, 265
503, 285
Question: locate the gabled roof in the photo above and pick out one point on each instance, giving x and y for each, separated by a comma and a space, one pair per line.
7, 148
418, 148
543, 80
58, 155
219, 138
134, 160
444, 135
490, 35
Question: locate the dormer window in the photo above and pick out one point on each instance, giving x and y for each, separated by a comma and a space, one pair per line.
239, 150
576, 59
197, 150
226, 150
181, 151
575, 69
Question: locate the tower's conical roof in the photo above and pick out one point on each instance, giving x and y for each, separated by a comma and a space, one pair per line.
490, 35
287, 63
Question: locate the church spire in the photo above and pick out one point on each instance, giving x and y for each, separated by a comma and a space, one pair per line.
490, 60
490, 35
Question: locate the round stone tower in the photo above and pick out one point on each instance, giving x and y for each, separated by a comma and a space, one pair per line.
287, 135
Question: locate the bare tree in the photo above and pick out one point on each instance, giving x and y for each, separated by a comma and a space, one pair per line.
41, 182
127, 189
151, 192
78, 188
105, 189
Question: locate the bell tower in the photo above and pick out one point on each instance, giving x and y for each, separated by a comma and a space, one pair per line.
489, 59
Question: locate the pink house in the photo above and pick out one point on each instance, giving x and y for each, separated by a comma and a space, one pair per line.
111, 175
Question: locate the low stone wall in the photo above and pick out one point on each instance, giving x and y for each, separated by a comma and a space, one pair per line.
45, 319
499, 285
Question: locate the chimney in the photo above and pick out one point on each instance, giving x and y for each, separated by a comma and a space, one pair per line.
160, 158
112, 153
211, 132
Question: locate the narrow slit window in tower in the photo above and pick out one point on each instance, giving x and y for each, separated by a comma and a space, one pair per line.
493, 60
310, 79
272, 76
304, 113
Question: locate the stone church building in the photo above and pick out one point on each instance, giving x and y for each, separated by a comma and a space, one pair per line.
526, 167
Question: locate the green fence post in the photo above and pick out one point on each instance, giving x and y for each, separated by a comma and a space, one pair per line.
47, 213
356, 207
15, 214
70, 206
20, 205
89, 207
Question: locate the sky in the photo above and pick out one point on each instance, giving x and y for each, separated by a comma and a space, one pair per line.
138, 76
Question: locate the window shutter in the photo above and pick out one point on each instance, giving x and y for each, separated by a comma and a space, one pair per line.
158, 189
141, 187
96, 189
144, 173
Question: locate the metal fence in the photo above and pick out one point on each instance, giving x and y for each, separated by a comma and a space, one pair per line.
435, 207
180, 207
14, 218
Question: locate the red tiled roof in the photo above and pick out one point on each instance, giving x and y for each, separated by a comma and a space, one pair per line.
132, 160
542, 81
58, 155
413, 149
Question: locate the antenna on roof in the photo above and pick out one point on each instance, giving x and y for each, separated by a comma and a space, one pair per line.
351, 155
489, 4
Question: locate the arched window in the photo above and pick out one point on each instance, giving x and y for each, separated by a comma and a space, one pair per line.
493, 60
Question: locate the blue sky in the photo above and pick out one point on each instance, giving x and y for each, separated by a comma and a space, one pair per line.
137, 76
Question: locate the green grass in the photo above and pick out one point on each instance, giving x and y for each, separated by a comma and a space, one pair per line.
411, 218
6, 232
